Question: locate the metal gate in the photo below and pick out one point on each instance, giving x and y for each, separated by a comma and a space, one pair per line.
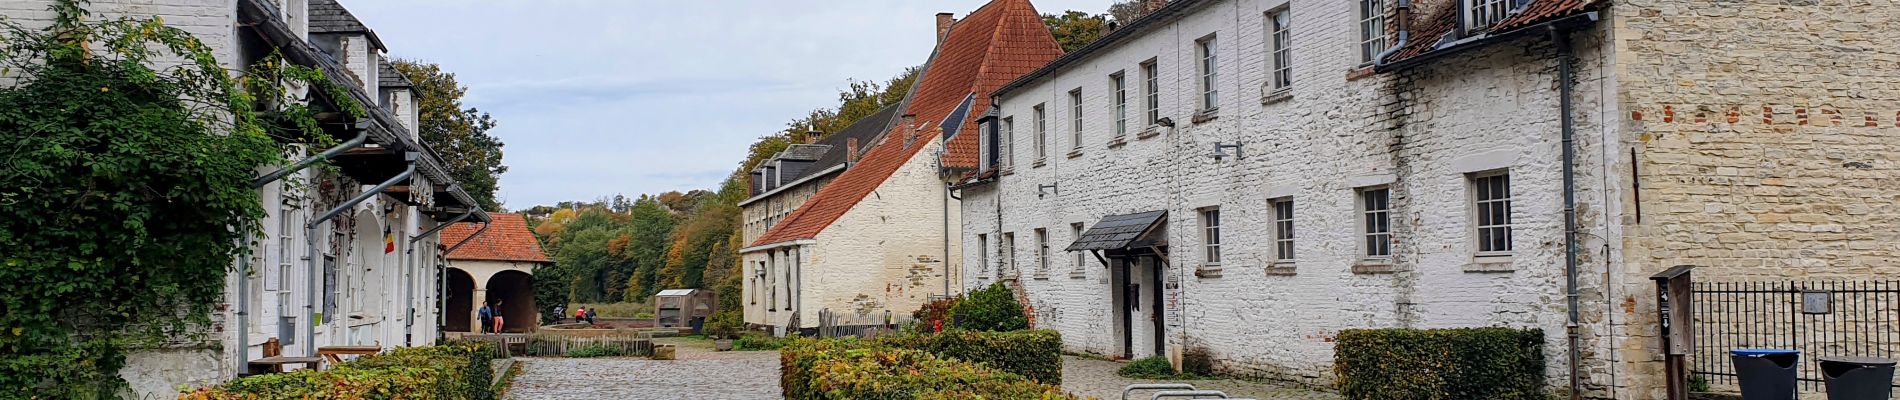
1819, 318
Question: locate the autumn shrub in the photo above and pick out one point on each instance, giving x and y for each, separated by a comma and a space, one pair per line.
1431, 364
853, 369
1034, 354
758, 341
990, 309
448, 372
934, 316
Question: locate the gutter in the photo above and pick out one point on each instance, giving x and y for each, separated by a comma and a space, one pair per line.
310, 304
1404, 16
1565, 23
1169, 13
764, 247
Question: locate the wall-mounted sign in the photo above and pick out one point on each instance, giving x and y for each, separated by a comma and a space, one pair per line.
1815, 302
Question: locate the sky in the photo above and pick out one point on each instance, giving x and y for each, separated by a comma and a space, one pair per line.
604, 97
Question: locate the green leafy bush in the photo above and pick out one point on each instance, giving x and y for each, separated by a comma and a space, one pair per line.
753, 342
1035, 354
448, 372
1431, 364
596, 350
990, 309
852, 369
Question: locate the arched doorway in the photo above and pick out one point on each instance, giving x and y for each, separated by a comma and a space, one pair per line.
514, 291
461, 300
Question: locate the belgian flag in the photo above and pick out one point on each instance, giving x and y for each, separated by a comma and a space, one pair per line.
389, 240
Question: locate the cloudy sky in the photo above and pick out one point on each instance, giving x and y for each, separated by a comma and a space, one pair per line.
604, 97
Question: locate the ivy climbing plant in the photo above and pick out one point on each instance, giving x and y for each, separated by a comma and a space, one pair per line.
126, 152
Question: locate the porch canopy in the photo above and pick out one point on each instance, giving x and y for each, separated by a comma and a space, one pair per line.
1119, 233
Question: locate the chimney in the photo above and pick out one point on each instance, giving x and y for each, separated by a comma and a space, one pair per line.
944, 20
850, 151
910, 129
812, 137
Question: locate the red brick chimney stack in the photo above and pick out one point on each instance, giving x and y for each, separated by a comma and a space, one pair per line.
851, 151
944, 21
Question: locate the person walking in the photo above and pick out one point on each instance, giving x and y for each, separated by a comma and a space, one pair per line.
560, 312
485, 316
498, 320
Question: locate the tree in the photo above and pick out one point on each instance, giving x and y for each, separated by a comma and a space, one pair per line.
1074, 29
648, 233
459, 135
1127, 11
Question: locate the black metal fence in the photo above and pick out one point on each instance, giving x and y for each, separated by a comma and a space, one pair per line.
1819, 318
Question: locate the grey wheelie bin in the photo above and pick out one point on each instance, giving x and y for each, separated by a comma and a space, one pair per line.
1766, 374
1857, 378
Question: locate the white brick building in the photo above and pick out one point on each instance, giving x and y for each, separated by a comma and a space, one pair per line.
1364, 189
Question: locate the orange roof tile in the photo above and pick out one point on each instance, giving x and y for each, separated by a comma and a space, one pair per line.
993, 45
1434, 28
507, 239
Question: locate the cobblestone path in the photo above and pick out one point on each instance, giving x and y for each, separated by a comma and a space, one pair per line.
1097, 378
699, 373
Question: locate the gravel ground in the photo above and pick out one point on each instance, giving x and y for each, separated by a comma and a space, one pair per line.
1097, 378
699, 373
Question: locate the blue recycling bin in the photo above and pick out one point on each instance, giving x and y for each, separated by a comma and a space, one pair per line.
1766, 374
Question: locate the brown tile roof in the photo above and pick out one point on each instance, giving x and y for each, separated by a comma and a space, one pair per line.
990, 47
507, 239
1429, 31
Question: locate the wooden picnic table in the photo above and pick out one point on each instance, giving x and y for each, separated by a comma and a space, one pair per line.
335, 353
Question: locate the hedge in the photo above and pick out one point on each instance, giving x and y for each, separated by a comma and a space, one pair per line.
853, 369
446, 372
1432, 364
1036, 354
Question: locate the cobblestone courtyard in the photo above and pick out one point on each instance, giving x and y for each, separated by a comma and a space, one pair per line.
701, 373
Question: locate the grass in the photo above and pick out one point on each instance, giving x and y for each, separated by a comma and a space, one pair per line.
758, 342
598, 350
1156, 367
615, 310
507, 380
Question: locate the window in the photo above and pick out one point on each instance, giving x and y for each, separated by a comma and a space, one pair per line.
1009, 141
1283, 230
286, 248
1121, 103
1042, 250
1372, 29
1081, 257
983, 251
1493, 208
1075, 118
1009, 254
1210, 72
1281, 48
1151, 88
1480, 14
1042, 134
1376, 204
1210, 234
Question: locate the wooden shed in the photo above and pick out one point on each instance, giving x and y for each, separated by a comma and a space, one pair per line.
678, 307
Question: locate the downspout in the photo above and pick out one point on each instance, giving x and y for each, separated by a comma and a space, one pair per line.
442, 319
243, 272
1561, 40
409, 299
310, 298
1404, 15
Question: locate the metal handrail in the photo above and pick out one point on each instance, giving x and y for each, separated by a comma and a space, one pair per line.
1193, 394
1154, 386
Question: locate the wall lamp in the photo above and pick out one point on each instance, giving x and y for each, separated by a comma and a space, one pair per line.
1043, 190
1165, 121
1220, 151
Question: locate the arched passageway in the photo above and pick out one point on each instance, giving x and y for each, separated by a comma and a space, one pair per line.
514, 292
461, 299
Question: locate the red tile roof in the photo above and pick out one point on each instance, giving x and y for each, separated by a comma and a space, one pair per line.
507, 239
1428, 31
993, 45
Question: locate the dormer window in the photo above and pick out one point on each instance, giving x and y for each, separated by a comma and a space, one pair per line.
1481, 14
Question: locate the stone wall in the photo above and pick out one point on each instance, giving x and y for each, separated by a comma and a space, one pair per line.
1764, 141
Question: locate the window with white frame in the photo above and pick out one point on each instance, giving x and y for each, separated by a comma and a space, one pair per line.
1283, 229
1151, 91
1208, 52
1008, 266
1376, 205
1492, 206
1279, 42
1081, 258
983, 251
1481, 14
1042, 133
1371, 29
286, 248
1075, 118
1009, 141
1121, 102
1042, 250
1210, 235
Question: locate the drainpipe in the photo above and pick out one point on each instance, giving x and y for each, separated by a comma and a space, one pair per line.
243, 273
409, 299
1404, 15
442, 318
1561, 40
310, 298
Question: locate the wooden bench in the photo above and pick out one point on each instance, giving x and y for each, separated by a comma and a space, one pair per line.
335, 353
276, 364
